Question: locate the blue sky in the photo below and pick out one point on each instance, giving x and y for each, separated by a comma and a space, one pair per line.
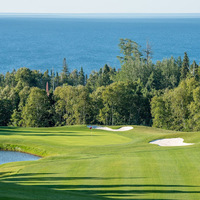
99, 6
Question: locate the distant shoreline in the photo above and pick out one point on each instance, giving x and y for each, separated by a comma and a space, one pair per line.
103, 15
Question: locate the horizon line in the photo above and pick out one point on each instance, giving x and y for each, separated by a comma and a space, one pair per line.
102, 15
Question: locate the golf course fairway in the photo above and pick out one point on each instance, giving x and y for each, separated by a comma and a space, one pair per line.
82, 164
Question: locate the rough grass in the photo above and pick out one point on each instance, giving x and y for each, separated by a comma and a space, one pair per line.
81, 164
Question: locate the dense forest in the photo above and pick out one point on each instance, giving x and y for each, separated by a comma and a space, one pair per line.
164, 94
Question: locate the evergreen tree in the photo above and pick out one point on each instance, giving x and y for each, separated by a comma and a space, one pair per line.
106, 75
52, 80
45, 78
99, 81
65, 72
185, 67
148, 53
57, 80
194, 70
179, 62
74, 77
81, 78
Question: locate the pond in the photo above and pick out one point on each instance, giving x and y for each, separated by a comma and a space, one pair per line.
13, 156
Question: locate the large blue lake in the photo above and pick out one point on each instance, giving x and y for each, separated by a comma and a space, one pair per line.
42, 43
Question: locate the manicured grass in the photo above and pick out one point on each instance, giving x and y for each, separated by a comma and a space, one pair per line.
81, 164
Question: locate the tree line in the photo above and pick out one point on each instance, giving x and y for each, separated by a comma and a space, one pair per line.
163, 94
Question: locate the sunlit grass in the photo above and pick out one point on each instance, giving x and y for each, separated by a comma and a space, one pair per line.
81, 164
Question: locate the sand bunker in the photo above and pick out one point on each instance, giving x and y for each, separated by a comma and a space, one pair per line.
126, 128
170, 142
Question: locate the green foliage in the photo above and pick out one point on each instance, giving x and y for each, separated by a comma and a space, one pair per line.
167, 74
26, 77
134, 70
96, 105
5, 111
106, 96
194, 70
185, 67
159, 112
65, 73
104, 77
177, 109
123, 103
129, 50
72, 105
74, 77
81, 78
16, 119
36, 111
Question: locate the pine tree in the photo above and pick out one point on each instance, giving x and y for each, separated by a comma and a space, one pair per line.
148, 53
65, 72
106, 75
74, 77
179, 62
185, 67
194, 70
81, 78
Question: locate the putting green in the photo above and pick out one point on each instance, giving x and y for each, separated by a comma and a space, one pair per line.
80, 164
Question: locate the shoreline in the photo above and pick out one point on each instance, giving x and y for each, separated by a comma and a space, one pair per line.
1, 149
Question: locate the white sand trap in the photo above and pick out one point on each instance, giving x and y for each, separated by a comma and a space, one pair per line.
126, 128
170, 142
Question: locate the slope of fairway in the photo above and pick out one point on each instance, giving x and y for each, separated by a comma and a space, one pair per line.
54, 140
80, 164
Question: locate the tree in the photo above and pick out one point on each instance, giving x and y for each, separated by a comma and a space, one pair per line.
185, 67
106, 76
36, 111
124, 103
173, 109
81, 107
134, 70
60, 104
26, 77
148, 53
10, 79
194, 69
72, 104
170, 73
16, 118
45, 78
159, 112
133, 65
74, 77
65, 72
11, 94
6, 110
194, 107
81, 77
96, 105
128, 49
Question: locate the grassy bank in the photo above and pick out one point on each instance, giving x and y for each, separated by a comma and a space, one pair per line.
83, 164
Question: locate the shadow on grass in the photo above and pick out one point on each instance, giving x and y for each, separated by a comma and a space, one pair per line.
51, 187
32, 133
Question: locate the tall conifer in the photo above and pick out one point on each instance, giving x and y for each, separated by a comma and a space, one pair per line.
185, 66
65, 72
